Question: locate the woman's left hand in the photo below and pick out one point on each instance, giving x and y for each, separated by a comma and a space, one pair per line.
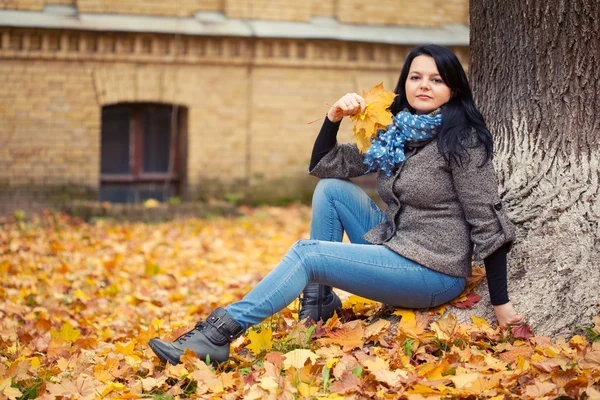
507, 316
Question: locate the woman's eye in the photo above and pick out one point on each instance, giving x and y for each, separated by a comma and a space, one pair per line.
437, 80
414, 78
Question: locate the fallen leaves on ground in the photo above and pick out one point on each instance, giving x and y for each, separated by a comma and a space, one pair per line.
80, 301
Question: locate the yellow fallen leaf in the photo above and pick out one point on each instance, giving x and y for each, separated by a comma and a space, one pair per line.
62, 364
12, 393
360, 304
579, 340
307, 390
407, 320
422, 389
444, 326
297, 358
376, 328
35, 363
522, 364
268, 383
67, 333
4, 383
331, 363
260, 341
436, 373
390, 378
464, 381
149, 384
480, 322
539, 389
127, 349
375, 364
330, 352
494, 363
80, 295
112, 387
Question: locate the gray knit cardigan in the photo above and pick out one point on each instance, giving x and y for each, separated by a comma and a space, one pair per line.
439, 214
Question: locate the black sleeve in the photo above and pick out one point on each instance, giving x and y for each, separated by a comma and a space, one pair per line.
325, 141
495, 268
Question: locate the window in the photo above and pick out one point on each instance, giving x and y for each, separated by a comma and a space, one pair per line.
142, 152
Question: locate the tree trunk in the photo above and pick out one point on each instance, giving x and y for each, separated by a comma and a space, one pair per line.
535, 72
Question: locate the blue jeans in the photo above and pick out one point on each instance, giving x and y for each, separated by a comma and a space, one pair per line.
371, 271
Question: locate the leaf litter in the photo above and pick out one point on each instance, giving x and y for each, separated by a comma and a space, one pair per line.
79, 302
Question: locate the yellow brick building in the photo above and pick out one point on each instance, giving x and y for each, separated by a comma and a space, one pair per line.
125, 100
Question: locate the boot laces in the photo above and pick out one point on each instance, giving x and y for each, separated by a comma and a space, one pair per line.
190, 333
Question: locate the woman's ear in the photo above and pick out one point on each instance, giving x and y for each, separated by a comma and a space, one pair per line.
452, 94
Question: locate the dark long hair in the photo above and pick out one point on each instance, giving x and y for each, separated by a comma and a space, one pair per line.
460, 116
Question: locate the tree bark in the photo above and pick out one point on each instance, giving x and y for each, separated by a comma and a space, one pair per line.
535, 72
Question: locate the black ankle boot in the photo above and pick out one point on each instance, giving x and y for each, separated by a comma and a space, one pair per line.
211, 337
318, 302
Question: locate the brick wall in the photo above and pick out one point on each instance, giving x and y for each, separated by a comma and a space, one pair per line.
49, 125
180, 8
430, 13
29, 5
404, 12
247, 109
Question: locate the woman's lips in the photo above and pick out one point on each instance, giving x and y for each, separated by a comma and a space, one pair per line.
424, 97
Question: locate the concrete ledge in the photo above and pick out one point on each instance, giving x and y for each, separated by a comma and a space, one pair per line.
219, 25
90, 210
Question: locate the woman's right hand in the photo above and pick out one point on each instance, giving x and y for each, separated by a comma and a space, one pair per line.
349, 104
507, 316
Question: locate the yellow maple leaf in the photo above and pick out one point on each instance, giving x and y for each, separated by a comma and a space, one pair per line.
307, 390
260, 341
297, 358
376, 116
422, 389
10, 392
463, 381
127, 349
67, 333
330, 363
444, 327
360, 305
112, 387
480, 322
407, 318
522, 364
35, 362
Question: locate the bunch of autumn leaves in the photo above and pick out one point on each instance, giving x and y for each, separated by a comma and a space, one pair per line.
376, 116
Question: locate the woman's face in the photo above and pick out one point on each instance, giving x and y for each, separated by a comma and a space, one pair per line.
425, 90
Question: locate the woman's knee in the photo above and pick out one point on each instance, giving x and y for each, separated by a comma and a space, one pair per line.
331, 188
303, 250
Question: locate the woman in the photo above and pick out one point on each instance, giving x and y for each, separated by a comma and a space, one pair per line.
437, 178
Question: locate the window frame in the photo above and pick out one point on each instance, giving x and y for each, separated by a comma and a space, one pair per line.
137, 177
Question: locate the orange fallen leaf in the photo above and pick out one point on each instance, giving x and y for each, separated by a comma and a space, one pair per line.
539, 389
349, 336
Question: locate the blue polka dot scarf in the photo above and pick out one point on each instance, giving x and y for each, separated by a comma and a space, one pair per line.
387, 148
